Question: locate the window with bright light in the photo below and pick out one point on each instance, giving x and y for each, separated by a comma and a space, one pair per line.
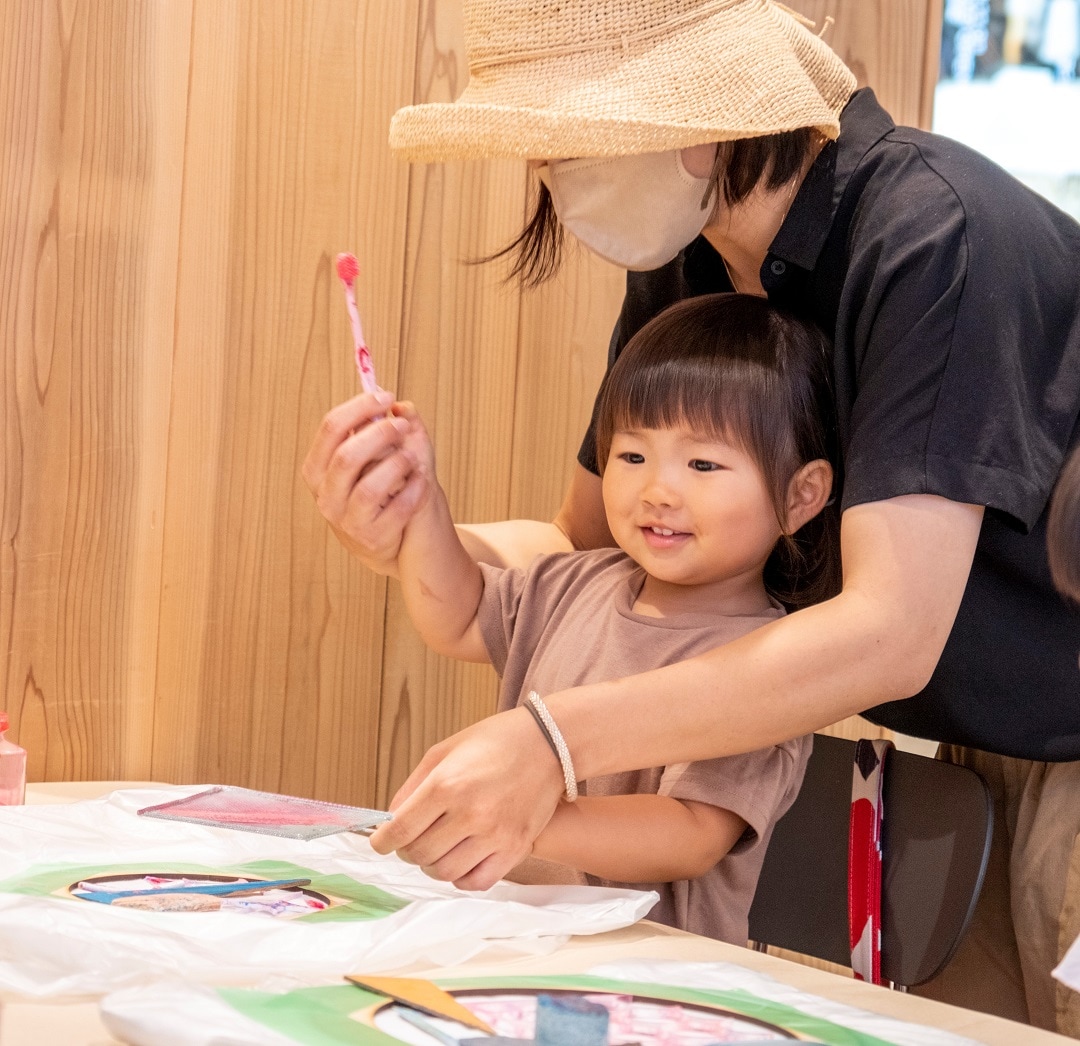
1009, 86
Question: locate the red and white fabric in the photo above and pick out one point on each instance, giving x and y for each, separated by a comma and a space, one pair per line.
864, 859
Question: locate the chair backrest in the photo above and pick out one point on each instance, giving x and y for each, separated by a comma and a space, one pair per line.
936, 829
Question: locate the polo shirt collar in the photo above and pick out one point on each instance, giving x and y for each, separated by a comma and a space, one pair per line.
863, 123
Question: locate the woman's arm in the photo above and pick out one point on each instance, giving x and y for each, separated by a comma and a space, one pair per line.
905, 563
579, 524
639, 838
468, 813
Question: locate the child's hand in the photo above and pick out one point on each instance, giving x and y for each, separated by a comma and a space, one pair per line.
366, 471
417, 446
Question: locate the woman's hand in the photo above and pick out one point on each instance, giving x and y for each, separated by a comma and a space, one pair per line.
473, 807
369, 468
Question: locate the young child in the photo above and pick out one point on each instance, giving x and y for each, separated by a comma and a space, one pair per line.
714, 452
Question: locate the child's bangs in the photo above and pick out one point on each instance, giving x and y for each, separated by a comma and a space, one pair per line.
719, 399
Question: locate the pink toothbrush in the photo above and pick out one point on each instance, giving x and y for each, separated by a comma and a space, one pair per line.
348, 269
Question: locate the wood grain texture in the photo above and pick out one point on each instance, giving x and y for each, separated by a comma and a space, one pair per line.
286, 675
175, 180
90, 206
181, 176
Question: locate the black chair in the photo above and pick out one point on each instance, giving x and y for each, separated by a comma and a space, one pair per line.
936, 829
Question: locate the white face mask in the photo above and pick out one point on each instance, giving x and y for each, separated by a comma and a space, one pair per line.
636, 211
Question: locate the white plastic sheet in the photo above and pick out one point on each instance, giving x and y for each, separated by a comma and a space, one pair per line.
1068, 970
54, 946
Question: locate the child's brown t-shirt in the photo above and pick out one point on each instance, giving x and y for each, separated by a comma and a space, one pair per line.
569, 620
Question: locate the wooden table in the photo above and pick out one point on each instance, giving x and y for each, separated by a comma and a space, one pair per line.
78, 1024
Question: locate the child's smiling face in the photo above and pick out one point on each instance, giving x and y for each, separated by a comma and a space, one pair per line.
691, 510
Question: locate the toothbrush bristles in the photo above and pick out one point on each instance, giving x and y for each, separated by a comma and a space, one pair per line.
348, 268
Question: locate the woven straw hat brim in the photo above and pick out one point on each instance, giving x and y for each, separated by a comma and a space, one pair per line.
745, 70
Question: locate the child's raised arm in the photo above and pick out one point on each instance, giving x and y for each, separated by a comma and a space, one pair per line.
440, 581
639, 838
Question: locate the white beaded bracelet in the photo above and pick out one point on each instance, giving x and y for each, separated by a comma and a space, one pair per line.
558, 742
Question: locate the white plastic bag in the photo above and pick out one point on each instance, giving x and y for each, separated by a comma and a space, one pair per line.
1068, 970
54, 945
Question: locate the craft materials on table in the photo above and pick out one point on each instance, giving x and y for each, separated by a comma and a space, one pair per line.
654, 1003
288, 816
597, 1018
573, 1020
277, 896
187, 882
423, 996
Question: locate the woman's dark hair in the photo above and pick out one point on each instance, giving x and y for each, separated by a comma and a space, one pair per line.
740, 165
739, 369
1063, 530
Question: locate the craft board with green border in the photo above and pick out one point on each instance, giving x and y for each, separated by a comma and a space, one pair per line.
337, 1015
349, 900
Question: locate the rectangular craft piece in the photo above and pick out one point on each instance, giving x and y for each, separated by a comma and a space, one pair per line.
289, 816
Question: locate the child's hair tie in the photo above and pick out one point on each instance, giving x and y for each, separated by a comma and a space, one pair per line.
535, 705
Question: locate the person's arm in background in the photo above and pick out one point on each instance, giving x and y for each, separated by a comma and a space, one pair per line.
475, 803
580, 524
639, 838
362, 472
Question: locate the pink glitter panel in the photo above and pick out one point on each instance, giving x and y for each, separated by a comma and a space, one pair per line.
650, 1022
226, 806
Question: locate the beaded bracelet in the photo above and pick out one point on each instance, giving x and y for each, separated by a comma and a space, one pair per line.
531, 709
535, 704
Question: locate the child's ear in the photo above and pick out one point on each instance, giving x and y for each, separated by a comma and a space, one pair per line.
807, 493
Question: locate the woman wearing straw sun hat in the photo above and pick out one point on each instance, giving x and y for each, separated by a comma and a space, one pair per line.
711, 145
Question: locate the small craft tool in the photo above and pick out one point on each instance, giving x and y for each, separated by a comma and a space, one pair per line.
423, 996
348, 268
244, 889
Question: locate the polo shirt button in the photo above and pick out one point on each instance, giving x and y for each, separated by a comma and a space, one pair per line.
778, 268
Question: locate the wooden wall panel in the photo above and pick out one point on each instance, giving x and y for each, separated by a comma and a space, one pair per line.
175, 180
565, 329
458, 366
459, 331
92, 105
180, 177
287, 679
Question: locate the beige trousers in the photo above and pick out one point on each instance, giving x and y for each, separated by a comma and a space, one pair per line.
1029, 910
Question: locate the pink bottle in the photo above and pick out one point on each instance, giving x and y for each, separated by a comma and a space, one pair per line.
12, 768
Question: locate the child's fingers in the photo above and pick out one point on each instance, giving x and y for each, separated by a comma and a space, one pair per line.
337, 428
381, 504
406, 409
354, 460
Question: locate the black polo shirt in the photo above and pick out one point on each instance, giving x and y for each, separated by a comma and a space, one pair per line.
952, 294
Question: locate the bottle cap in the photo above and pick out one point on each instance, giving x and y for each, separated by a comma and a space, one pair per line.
4, 723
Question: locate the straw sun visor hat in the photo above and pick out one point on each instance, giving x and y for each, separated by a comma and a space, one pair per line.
567, 78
